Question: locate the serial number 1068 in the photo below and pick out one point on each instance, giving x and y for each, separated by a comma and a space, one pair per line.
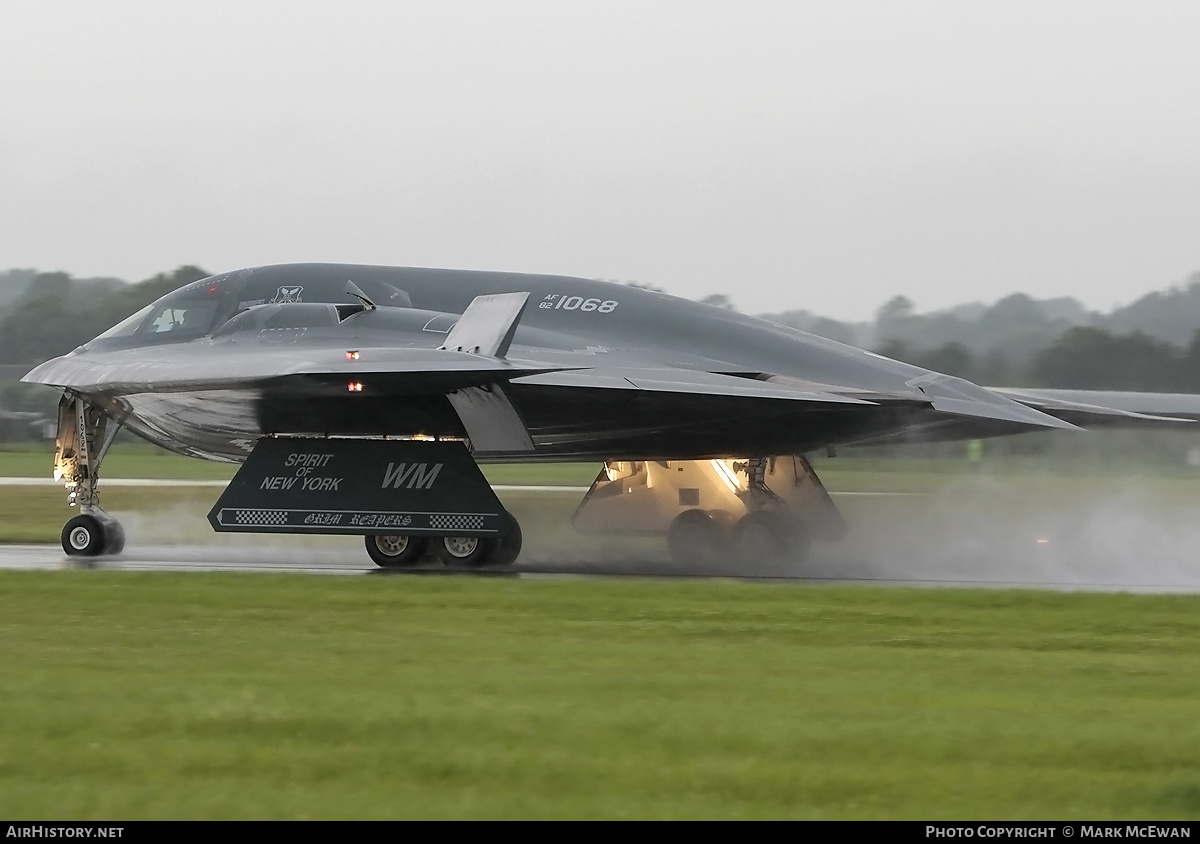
578, 303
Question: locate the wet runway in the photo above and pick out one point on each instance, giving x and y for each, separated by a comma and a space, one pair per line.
185, 558
351, 560
976, 533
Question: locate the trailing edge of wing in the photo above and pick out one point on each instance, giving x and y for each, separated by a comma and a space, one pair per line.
1109, 407
958, 396
679, 381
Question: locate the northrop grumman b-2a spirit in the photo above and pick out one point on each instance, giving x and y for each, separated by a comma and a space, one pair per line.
361, 399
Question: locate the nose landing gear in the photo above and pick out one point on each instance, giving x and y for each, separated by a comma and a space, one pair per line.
83, 439
91, 534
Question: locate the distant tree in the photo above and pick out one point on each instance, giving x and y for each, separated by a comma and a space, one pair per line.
893, 318
896, 350
995, 368
1013, 309
859, 334
41, 323
1092, 359
45, 286
134, 297
56, 313
1066, 309
1189, 376
1172, 315
719, 300
952, 359
803, 320
896, 308
833, 330
13, 284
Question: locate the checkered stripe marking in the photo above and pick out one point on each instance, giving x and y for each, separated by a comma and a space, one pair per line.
261, 517
456, 522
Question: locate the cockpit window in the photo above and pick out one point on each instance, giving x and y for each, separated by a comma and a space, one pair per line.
181, 319
164, 321
128, 326
215, 303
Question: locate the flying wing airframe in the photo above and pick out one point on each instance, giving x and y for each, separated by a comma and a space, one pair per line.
361, 399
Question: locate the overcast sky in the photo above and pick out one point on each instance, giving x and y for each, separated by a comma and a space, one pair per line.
819, 155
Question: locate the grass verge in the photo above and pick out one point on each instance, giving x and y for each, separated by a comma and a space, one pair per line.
157, 695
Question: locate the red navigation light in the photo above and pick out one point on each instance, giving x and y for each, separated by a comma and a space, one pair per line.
355, 387
352, 355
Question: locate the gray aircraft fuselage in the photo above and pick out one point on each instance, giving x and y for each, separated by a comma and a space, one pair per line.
596, 370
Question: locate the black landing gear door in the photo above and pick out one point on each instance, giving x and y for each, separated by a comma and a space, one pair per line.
487, 328
343, 486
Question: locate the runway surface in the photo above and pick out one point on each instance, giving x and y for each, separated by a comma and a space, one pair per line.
985, 534
351, 560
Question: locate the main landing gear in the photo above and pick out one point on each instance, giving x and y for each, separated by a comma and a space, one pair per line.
760, 536
83, 439
758, 512
398, 551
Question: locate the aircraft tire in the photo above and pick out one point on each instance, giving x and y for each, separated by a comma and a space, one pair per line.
726, 521
695, 537
83, 536
114, 537
465, 552
764, 536
392, 551
509, 548
800, 543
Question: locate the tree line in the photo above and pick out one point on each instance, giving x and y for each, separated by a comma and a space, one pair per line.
1081, 358
49, 314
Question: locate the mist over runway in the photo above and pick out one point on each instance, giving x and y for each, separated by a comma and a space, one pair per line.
933, 566
973, 531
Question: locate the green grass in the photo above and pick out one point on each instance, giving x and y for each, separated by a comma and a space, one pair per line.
141, 460
124, 460
130, 696
863, 470
37, 514
542, 474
